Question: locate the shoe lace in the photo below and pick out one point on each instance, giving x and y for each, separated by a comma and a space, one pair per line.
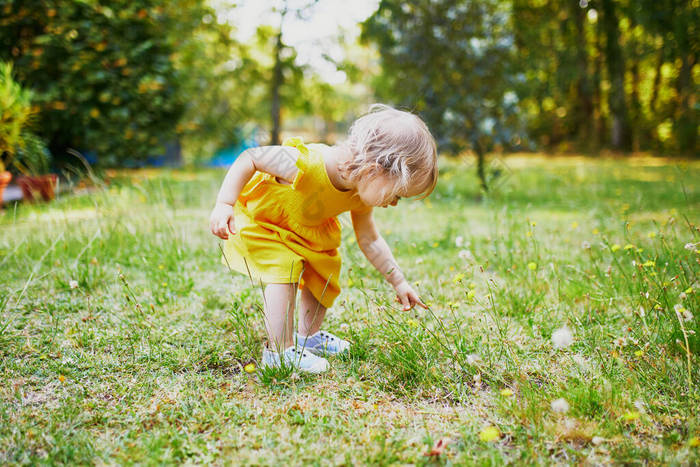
326, 335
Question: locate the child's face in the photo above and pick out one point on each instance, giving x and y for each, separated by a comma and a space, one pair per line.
377, 191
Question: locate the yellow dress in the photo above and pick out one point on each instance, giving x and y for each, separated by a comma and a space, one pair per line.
290, 233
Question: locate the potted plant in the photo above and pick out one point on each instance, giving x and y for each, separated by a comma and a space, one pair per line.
32, 160
15, 113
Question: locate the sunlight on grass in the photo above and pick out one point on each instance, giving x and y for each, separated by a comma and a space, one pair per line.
563, 326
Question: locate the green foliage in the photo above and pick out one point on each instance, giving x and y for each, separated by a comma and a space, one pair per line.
106, 74
16, 112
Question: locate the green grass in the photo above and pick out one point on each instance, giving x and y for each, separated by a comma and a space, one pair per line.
143, 361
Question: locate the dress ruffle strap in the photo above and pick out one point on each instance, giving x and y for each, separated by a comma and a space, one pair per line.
303, 159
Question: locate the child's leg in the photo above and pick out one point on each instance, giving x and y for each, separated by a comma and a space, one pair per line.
311, 315
279, 314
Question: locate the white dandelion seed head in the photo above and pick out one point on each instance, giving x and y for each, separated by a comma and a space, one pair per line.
73, 284
473, 359
585, 245
419, 260
562, 338
560, 405
687, 315
459, 241
465, 255
690, 246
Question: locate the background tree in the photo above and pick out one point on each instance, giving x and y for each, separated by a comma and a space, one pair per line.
451, 62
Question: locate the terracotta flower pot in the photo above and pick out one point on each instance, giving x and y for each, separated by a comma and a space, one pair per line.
5, 178
43, 186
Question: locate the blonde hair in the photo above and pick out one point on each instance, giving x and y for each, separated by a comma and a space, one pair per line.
394, 143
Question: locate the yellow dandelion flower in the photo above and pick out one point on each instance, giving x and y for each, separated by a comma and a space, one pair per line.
533, 223
532, 266
639, 250
615, 247
651, 234
471, 295
164, 284
458, 278
161, 266
473, 286
528, 233
639, 353
435, 245
350, 282
490, 433
574, 225
61, 378
452, 268
649, 264
629, 246
506, 392
631, 416
412, 322
694, 442
596, 231
689, 290
249, 368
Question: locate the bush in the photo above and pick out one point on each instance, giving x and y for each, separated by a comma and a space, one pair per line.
15, 114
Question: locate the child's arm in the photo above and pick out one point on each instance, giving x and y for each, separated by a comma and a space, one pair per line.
279, 161
378, 253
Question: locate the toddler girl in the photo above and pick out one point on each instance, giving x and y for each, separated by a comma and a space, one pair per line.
277, 209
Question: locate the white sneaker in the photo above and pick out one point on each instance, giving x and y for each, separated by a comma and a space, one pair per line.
322, 343
296, 357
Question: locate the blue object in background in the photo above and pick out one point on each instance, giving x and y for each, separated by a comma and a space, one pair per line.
226, 156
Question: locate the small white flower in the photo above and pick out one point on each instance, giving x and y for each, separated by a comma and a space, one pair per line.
620, 342
560, 406
459, 241
585, 245
465, 255
639, 405
73, 284
683, 296
690, 246
419, 260
682, 313
344, 327
562, 338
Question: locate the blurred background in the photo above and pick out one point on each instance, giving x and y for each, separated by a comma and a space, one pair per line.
171, 82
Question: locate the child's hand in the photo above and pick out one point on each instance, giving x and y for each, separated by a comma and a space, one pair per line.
221, 221
407, 296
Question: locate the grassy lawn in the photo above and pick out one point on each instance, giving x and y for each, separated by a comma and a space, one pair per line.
143, 360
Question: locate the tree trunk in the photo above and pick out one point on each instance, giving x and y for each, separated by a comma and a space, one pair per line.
620, 131
584, 106
600, 120
481, 165
686, 126
657, 80
635, 105
276, 85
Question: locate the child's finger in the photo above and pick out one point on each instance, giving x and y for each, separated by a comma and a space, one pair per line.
232, 227
405, 302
